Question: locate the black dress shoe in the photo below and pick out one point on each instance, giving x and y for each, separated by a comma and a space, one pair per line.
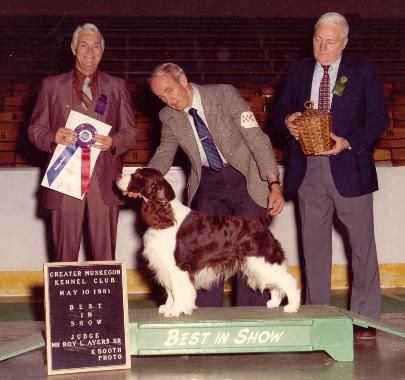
365, 333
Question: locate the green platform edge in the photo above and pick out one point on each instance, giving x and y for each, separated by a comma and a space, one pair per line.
313, 328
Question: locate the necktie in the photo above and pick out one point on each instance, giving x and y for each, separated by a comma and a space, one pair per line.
324, 91
87, 96
213, 157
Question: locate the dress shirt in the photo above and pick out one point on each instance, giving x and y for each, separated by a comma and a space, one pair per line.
197, 104
316, 81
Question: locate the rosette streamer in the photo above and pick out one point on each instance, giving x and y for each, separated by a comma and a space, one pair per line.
85, 138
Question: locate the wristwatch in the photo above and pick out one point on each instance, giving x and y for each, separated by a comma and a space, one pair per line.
274, 182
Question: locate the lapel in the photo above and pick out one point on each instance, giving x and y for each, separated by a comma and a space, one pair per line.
103, 88
344, 70
183, 130
306, 82
66, 94
213, 111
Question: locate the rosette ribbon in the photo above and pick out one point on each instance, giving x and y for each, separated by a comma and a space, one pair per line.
85, 138
101, 104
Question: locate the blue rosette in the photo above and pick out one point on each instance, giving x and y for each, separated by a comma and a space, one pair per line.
85, 138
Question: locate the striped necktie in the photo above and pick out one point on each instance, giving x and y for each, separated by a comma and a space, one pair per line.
87, 95
207, 142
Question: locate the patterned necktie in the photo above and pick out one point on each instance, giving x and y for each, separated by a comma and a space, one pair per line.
213, 157
87, 96
324, 91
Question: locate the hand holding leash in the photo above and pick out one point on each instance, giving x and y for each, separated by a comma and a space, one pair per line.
130, 194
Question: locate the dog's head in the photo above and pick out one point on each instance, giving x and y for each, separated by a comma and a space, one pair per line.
157, 193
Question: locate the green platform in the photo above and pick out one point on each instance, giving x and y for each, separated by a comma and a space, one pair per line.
235, 330
243, 329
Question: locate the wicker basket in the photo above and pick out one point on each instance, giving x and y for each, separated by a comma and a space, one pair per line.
314, 129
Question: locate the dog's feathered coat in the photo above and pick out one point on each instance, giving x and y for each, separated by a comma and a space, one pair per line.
189, 250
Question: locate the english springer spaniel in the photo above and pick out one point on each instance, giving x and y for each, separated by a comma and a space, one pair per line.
189, 250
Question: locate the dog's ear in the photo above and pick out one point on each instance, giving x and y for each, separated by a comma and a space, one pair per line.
156, 216
157, 211
165, 191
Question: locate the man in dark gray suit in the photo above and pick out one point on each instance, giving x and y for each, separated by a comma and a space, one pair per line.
110, 103
342, 179
247, 181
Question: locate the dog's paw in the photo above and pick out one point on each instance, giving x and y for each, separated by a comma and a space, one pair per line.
188, 311
291, 308
172, 313
273, 303
162, 309
176, 312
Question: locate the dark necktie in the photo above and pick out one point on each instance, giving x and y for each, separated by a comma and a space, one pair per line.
324, 91
87, 95
213, 157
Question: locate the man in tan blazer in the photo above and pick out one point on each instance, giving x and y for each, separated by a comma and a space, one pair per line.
110, 103
247, 182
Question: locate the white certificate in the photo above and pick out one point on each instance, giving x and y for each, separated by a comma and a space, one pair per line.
71, 166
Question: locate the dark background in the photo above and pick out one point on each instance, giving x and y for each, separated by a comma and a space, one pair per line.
202, 8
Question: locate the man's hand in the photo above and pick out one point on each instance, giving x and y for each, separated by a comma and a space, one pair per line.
276, 200
130, 194
103, 143
65, 136
289, 122
341, 144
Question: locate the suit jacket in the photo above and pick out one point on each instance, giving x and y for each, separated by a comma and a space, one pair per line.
55, 100
247, 149
359, 115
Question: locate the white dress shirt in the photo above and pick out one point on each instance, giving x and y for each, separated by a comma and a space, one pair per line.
197, 104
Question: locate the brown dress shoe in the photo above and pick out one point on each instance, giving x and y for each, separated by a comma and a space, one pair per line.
365, 333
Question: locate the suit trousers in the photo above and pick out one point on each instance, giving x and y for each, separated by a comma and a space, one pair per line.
68, 223
318, 201
225, 193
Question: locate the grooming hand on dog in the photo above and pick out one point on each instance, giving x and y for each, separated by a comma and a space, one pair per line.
189, 250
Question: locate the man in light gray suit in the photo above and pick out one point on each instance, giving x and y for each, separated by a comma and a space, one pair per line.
247, 180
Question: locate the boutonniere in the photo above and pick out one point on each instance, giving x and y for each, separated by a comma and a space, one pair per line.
340, 86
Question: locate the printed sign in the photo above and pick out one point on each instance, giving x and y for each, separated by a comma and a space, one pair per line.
86, 317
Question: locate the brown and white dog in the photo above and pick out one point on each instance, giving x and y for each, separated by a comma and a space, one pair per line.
189, 250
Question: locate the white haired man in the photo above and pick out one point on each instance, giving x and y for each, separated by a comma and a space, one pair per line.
109, 102
341, 180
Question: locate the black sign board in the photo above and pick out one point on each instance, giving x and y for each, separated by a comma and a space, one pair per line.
86, 317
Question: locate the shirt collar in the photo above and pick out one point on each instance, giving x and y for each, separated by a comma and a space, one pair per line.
78, 79
333, 67
196, 102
